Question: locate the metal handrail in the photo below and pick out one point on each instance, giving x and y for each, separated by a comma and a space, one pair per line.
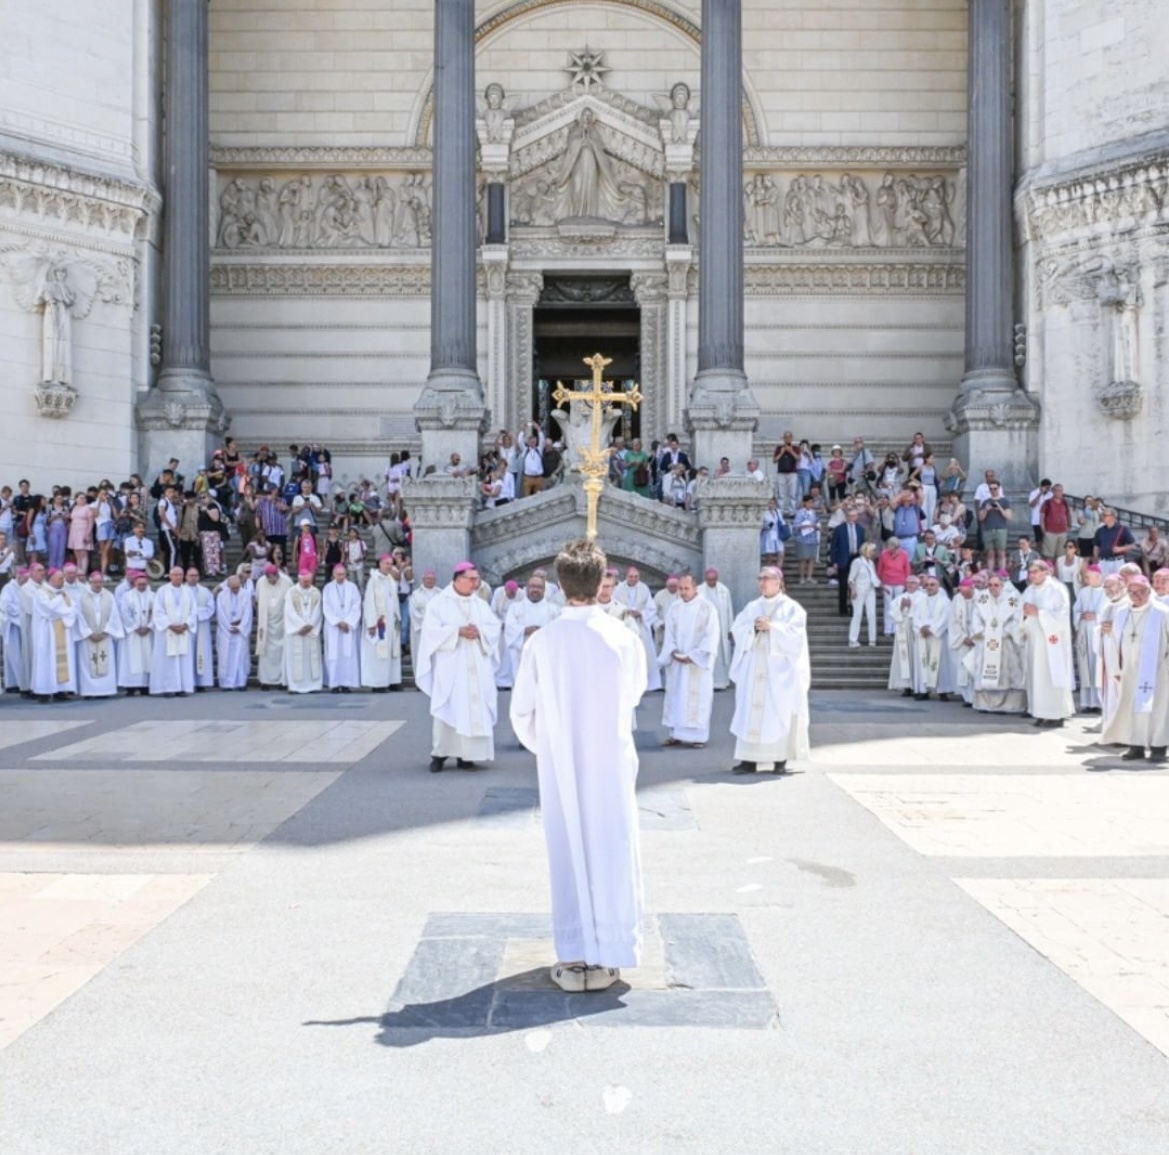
1130, 517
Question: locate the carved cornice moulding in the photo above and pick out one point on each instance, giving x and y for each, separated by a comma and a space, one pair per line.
347, 158
855, 280
75, 197
856, 156
283, 280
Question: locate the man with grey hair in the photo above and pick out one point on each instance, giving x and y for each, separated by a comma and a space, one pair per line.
689, 647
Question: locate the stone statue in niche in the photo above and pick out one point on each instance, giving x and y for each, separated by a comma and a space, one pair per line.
494, 110
1120, 296
57, 299
585, 180
679, 112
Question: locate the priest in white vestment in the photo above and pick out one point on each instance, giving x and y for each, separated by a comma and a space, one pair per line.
55, 633
1160, 581
635, 596
506, 596
303, 619
1116, 602
455, 668
271, 595
420, 598
612, 608
97, 667
1046, 631
663, 599
772, 673
175, 619
899, 612
35, 587
341, 606
524, 618
202, 655
1086, 613
577, 687
136, 608
930, 616
1141, 718
12, 627
689, 645
714, 591
233, 616
996, 662
381, 629
959, 640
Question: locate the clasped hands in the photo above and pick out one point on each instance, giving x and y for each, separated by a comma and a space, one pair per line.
471, 633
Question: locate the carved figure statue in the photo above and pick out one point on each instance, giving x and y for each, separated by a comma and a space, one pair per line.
494, 110
1120, 295
679, 113
762, 215
585, 180
794, 213
887, 212
857, 197
576, 425
57, 299
266, 214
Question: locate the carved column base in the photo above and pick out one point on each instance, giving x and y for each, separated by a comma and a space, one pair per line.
451, 417
441, 511
186, 420
730, 514
721, 419
996, 430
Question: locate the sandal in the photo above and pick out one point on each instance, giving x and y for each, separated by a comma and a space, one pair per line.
671, 742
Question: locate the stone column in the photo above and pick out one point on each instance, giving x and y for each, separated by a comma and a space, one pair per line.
993, 420
730, 511
723, 412
495, 266
450, 413
183, 415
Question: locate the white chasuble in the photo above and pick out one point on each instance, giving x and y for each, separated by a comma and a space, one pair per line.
381, 633
639, 599
233, 615
1047, 638
577, 687
904, 659
303, 671
12, 635
137, 648
341, 602
501, 606
172, 670
931, 651
520, 616
663, 599
270, 599
1110, 667
1141, 716
691, 630
958, 639
996, 662
1089, 601
419, 600
772, 673
202, 655
458, 675
55, 632
720, 597
97, 670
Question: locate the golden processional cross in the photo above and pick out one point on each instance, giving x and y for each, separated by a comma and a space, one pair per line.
594, 465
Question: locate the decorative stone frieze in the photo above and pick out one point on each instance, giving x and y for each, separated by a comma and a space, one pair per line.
344, 158
849, 279
326, 280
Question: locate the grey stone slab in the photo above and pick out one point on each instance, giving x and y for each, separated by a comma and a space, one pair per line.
490, 926
664, 808
445, 970
509, 806
312, 702
622, 1007
708, 952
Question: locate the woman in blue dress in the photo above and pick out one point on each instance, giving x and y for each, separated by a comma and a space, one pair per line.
37, 545
57, 517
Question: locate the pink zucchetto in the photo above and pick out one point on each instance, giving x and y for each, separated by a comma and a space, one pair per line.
511, 587
966, 584
53, 571
97, 574
465, 567
429, 573
270, 569
385, 557
1093, 569
1138, 580
22, 572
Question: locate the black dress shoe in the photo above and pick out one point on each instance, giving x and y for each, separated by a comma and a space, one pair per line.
944, 697
463, 764
335, 690
396, 688
1133, 754
907, 693
780, 768
743, 768
1039, 723
1157, 754
921, 697
1055, 723
436, 764
345, 689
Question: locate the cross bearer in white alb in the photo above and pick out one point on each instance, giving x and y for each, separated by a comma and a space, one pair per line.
1141, 717
772, 673
689, 649
381, 632
233, 614
303, 668
1047, 634
455, 668
97, 671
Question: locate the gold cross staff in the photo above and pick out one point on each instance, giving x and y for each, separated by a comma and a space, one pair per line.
595, 466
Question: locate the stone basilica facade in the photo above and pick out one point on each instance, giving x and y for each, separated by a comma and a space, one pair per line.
381, 223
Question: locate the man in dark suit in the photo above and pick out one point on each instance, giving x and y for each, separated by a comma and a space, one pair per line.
673, 455
844, 545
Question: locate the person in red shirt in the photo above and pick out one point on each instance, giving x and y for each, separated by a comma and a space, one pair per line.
892, 570
1055, 517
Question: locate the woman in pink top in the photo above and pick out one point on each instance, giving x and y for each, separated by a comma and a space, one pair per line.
81, 532
306, 550
892, 569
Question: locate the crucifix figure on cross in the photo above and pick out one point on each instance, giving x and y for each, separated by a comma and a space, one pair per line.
594, 463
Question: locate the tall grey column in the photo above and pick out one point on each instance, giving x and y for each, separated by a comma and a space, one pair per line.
450, 412
993, 420
722, 412
183, 415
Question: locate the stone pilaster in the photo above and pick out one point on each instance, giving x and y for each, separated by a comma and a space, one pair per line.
679, 259
523, 291
441, 511
649, 289
723, 412
730, 512
495, 267
993, 420
450, 414
183, 416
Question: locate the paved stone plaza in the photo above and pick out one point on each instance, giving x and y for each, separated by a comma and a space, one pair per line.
252, 924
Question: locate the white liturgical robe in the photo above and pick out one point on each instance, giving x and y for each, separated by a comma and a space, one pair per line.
663, 599
12, 628
303, 669
501, 604
55, 633
172, 670
458, 675
202, 655
1110, 667
638, 598
931, 651
1047, 640
341, 602
1090, 601
961, 613
772, 673
233, 616
578, 683
691, 630
381, 633
137, 648
29, 592
270, 599
996, 662
520, 616
97, 667
720, 597
419, 600
903, 663
1141, 717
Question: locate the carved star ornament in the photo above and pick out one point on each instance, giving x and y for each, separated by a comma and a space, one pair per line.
587, 68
